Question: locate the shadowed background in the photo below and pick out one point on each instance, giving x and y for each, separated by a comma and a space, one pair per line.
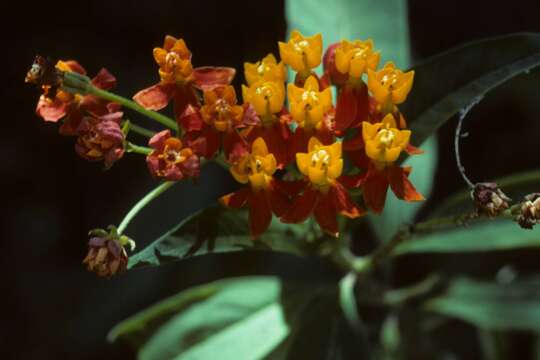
52, 307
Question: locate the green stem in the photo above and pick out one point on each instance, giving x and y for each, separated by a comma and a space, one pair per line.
141, 130
142, 203
168, 122
131, 147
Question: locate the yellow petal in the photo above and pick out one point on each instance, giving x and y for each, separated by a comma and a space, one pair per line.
372, 150
258, 181
335, 150
297, 112
259, 147
313, 143
278, 98
311, 84
335, 170
358, 66
246, 93
402, 139
342, 60
250, 72
315, 115
303, 161
269, 164
373, 61
239, 176
380, 93
159, 55
392, 154
326, 99
317, 175
369, 131
169, 42
399, 95
389, 121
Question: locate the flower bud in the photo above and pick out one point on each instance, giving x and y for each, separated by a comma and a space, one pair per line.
530, 211
107, 255
489, 199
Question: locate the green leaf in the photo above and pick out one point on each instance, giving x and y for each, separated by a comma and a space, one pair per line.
217, 230
492, 306
515, 186
485, 236
448, 82
243, 318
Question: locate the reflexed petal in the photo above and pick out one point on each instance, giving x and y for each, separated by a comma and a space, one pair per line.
208, 77
375, 188
236, 199
155, 97
191, 119
325, 213
302, 206
401, 186
260, 214
51, 110
104, 80
343, 202
158, 140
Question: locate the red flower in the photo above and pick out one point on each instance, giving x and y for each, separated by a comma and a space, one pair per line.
101, 138
217, 121
179, 80
73, 107
323, 195
170, 159
265, 194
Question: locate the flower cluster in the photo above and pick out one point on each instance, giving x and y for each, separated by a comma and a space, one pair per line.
297, 152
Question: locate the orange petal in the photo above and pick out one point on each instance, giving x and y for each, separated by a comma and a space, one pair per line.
375, 188
302, 206
260, 214
209, 77
155, 97
401, 186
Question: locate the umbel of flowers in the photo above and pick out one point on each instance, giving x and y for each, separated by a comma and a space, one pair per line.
297, 152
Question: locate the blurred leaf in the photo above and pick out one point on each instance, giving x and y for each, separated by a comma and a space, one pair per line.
450, 81
515, 186
390, 337
242, 318
496, 235
492, 306
217, 230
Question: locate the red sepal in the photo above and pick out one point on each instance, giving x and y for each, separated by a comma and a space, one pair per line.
302, 206
375, 189
351, 107
51, 110
260, 214
325, 214
191, 119
343, 202
401, 186
236, 200
104, 80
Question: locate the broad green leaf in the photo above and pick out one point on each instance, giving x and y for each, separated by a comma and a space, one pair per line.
492, 306
217, 230
242, 318
450, 81
496, 235
515, 186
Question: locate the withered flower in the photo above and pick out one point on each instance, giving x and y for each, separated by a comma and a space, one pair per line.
107, 255
530, 211
489, 199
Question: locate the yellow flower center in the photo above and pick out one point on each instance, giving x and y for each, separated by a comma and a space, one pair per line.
389, 80
301, 46
322, 164
320, 158
386, 137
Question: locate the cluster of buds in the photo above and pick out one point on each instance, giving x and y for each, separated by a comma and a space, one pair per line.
529, 214
95, 122
107, 254
283, 141
489, 199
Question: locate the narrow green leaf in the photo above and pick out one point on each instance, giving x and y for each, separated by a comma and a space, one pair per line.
448, 82
485, 236
217, 230
492, 306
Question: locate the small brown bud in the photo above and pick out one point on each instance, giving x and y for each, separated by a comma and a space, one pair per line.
530, 211
489, 199
106, 255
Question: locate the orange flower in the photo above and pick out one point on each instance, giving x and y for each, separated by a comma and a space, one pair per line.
220, 109
174, 60
356, 57
264, 194
323, 195
390, 86
179, 79
383, 141
268, 69
309, 105
301, 53
267, 98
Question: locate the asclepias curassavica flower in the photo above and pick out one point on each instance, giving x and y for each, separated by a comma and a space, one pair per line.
288, 145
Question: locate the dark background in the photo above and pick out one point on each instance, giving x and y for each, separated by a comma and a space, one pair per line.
52, 308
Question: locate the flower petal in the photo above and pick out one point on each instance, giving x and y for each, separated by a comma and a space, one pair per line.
401, 186
302, 206
260, 214
375, 188
209, 77
155, 97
